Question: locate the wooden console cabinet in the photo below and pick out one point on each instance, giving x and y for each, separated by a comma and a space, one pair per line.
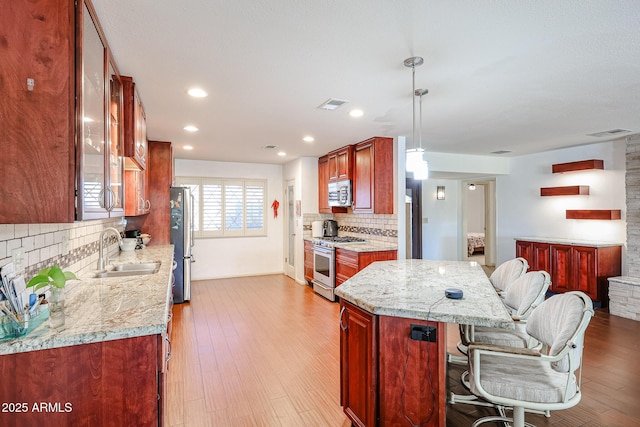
380, 364
574, 266
348, 263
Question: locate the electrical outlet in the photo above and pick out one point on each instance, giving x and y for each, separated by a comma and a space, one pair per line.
64, 245
423, 333
17, 258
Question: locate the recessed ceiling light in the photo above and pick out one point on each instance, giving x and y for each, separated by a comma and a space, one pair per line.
197, 92
308, 138
281, 153
187, 147
190, 128
356, 113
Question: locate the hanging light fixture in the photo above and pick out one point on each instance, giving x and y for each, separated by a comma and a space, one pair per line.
415, 156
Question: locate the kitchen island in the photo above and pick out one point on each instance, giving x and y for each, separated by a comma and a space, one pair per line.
107, 365
388, 377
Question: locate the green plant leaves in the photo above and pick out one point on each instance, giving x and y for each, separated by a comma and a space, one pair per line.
52, 276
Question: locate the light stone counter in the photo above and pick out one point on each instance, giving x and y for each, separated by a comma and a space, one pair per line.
368, 246
108, 309
414, 289
574, 242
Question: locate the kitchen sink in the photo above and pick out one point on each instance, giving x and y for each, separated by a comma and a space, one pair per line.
130, 269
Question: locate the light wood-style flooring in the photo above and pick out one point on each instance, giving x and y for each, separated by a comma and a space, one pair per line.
264, 351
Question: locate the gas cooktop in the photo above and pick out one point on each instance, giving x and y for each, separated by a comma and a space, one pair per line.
329, 242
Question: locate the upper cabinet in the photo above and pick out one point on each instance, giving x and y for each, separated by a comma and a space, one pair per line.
373, 176
38, 111
62, 115
324, 166
99, 105
135, 126
341, 164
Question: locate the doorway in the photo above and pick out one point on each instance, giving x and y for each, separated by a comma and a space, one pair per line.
290, 240
479, 221
413, 219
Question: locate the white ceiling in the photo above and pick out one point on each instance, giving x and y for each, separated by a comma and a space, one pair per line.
524, 76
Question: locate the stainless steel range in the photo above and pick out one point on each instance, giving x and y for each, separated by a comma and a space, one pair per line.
324, 263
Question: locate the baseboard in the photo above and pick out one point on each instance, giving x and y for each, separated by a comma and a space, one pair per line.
236, 275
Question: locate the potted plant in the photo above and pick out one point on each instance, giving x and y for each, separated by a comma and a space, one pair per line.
56, 279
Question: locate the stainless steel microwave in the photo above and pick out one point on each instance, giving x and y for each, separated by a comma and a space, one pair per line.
340, 193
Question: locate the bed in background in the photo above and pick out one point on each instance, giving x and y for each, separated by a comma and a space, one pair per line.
475, 243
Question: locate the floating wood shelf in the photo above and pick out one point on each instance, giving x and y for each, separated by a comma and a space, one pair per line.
594, 214
573, 190
577, 166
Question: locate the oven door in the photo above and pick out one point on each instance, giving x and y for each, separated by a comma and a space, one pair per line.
324, 271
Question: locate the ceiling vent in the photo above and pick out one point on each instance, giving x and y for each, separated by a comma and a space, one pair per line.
612, 132
270, 147
332, 104
501, 152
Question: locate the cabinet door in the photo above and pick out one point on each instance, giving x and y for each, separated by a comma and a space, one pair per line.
332, 158
92, 133
561, 268
584, 271
135, 126
525, 250
115, 159
358, 364
323, 183
344, 163
541, 257
308, 261
363, 195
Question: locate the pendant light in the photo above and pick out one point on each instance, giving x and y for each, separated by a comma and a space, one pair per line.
415, 156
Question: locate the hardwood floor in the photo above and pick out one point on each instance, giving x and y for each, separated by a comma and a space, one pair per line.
264, 351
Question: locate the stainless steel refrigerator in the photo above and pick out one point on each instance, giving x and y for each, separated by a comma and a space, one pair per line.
182, 216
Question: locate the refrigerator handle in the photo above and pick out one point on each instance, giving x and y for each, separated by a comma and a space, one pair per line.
193, 259
192, 218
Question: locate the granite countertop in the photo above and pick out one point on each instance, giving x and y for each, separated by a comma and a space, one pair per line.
575, 242
108, 309
369, 246
414, 289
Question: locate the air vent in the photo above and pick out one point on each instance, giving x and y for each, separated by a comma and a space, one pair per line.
501, 152
270, 147
332, 104
612, 132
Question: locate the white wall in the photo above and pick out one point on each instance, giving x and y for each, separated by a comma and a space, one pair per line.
440, 234
522, 212
475, 209
239, 256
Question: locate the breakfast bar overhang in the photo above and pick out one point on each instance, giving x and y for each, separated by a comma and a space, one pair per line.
389, 375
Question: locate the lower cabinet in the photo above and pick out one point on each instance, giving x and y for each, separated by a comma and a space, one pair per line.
308, 261
110, 383
348, 263
574, 267
358, 364
380, 363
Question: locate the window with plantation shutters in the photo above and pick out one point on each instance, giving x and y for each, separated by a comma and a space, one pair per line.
228, 207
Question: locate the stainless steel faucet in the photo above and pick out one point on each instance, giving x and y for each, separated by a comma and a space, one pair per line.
101, 263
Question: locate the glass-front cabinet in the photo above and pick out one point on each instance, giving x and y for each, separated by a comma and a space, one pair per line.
99, 156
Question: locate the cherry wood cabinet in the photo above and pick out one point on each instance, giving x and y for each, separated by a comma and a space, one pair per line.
161, 176
385, 376
137, 192
135, 126
373, 176
63, 119
340, 164
308, 261
323, 188
574, 266
358, 364
348, 263
110, 383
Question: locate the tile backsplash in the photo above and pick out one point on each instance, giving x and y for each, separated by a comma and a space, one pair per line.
372, 227
73, 246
